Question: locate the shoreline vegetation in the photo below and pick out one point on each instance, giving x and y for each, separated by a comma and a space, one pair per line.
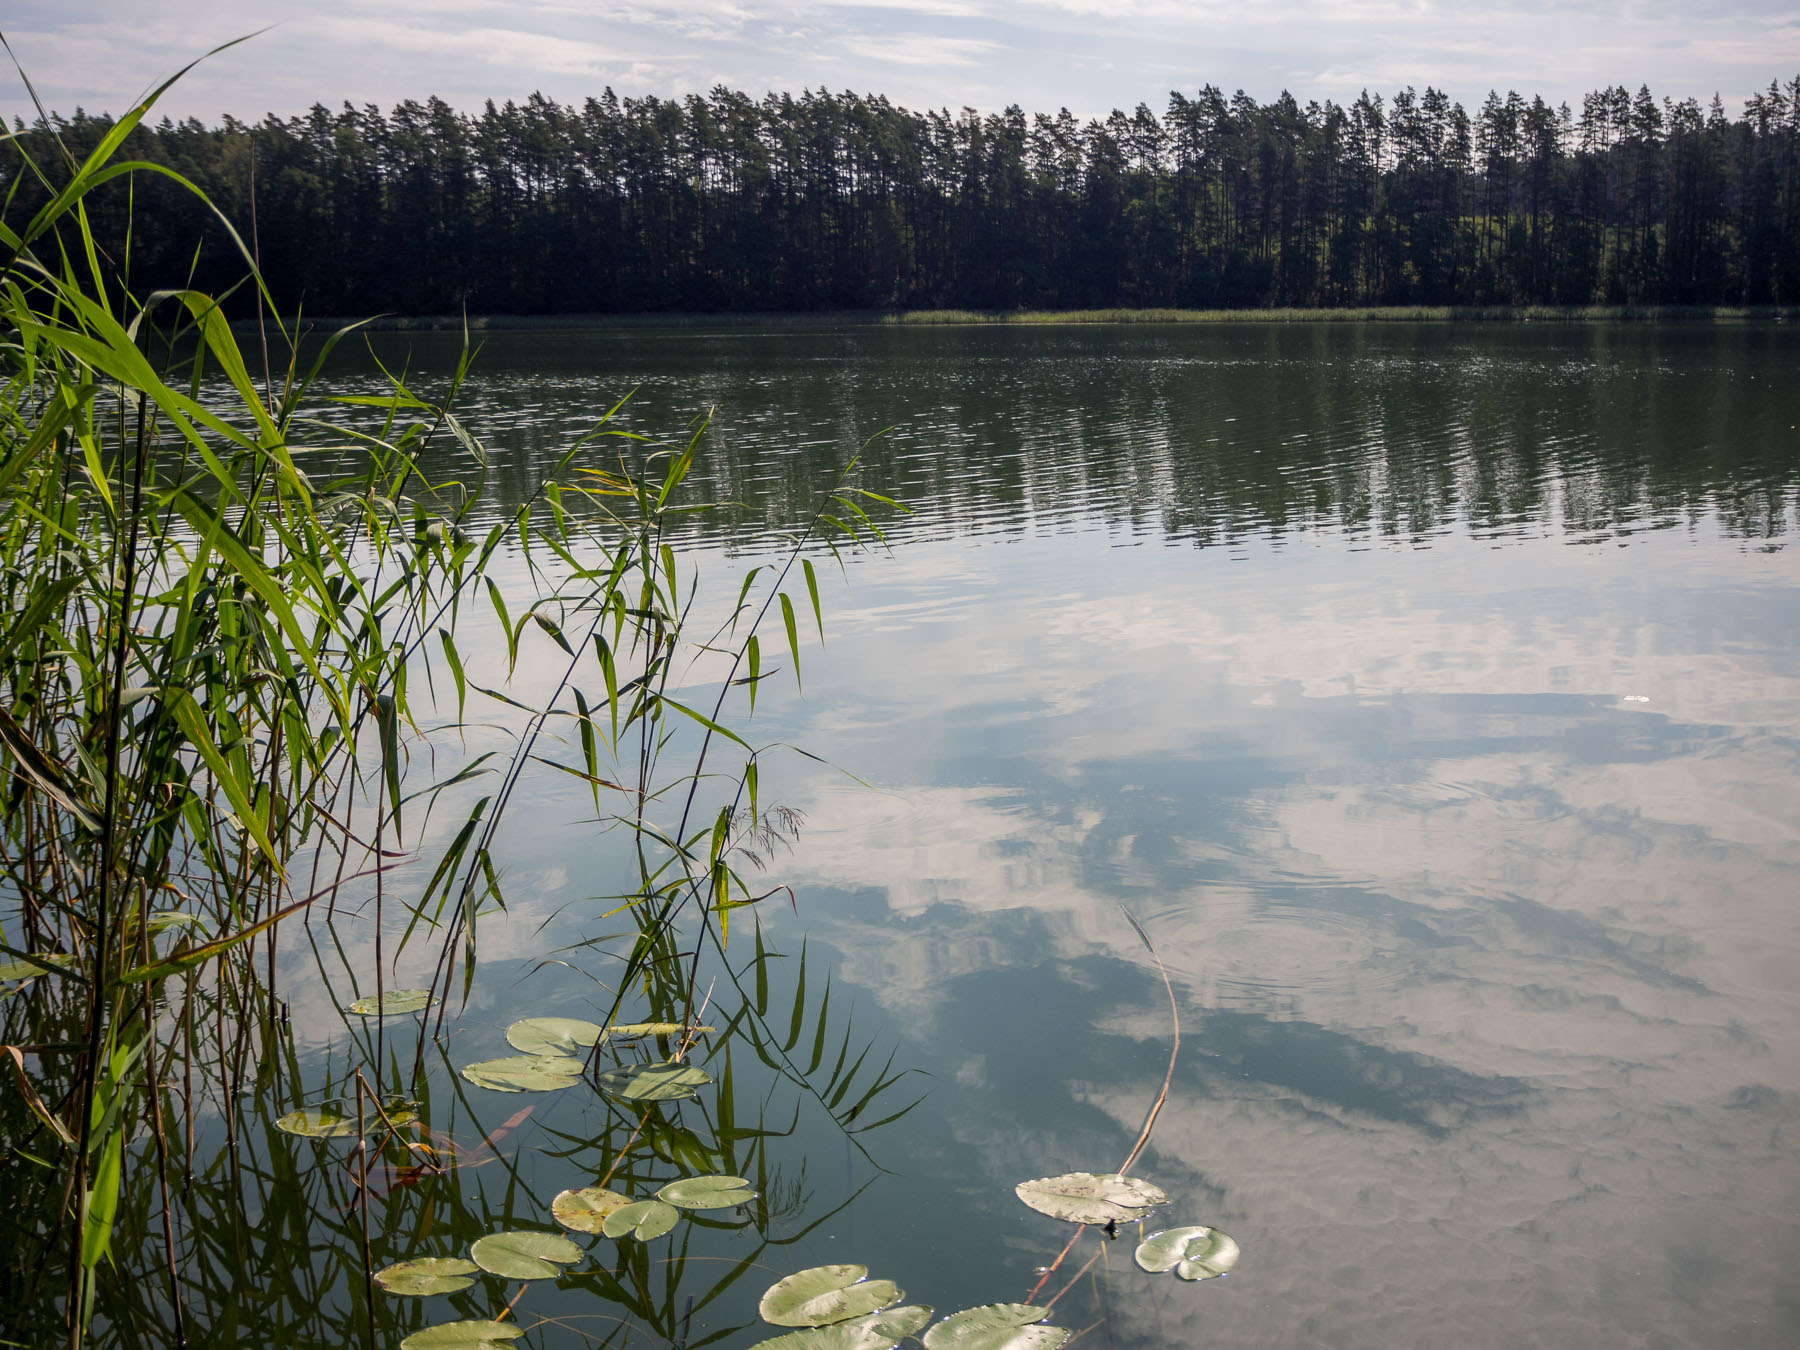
950, 318
232, 697
827, 203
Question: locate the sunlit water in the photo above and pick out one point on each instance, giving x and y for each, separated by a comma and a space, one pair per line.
1430, 696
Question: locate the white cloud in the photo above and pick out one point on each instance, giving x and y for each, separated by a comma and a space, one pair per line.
1043, 54
920, 49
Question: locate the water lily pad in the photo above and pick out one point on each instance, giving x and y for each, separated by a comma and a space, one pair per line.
523, 1256
463, 1336
524, 1073
318, 1122
427, 1275
653, 1082
391, 1002
715, 1192
587, 1209
1192, 1253
553, 1035
878, 1331
637, 1031
825, 1294
25, 970
641, 1219
998, 1326
335, 1120
1091, 1197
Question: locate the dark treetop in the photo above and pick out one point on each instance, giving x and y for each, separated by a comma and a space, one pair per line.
845, 201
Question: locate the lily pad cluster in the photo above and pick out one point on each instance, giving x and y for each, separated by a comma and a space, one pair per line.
533, 1255
594, 1210
553, 1052
841, 1308
517, 1255
1193, 1253
838, 1308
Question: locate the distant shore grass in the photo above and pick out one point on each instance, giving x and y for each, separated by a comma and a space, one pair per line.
487, 323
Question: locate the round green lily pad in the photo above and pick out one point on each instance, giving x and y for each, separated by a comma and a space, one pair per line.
319, 1122
587, 1209
1195, 1253
464, 1336
391, 1002
427, 1275
998, 1326
1091, 1197
713, 1192
653, 1082
553, 1035
524, 1073
334, 1120
825, 1294
642, 1219
523, 1255
637, 1031
878, 1331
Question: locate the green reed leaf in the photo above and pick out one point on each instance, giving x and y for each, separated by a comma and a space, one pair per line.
793, 635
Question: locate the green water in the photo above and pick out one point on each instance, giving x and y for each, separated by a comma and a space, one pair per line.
1429, 694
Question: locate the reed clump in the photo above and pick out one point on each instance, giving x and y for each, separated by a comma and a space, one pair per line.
211, 663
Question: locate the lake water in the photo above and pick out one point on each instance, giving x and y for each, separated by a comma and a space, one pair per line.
1429, 694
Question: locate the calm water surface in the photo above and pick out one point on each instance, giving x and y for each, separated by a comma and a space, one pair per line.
1430, 695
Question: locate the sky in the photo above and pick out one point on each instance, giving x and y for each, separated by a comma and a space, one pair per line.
1087, 55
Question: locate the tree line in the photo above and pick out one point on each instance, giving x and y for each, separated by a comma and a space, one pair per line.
846, 201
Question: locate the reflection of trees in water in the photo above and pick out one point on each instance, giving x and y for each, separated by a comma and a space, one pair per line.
1381, 432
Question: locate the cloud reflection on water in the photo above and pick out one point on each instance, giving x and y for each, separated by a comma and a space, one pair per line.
1489, 975
1457, 778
